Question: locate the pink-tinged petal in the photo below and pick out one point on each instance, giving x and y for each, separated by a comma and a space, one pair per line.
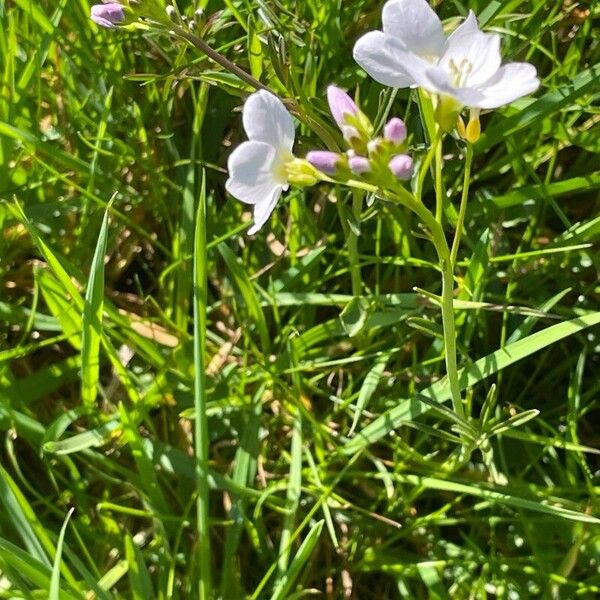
371, 53
415, 24
340, 104
472, 58
251, 177
511, 81
267, 120
262, 210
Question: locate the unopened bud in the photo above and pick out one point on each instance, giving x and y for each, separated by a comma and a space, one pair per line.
300, 173
340, 104
108, 15
199, 16
171, 13
324, 161
401, 167
473, 130
359, 165
395, 131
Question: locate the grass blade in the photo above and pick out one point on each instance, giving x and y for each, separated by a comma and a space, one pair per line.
469, 376
54, 592
91, 320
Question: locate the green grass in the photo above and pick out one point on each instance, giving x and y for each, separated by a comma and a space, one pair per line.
331, 462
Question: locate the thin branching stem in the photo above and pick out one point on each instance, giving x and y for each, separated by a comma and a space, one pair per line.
463, 205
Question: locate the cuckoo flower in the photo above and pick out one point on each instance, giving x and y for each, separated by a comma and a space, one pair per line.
109, 14
257, 168
412, 50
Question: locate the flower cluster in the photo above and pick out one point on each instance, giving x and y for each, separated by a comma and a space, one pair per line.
371, 158
458, 71
462, 70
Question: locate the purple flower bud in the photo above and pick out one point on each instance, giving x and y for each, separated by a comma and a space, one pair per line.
108, 15
324, 161
401, 166
395, 130
359, 165
340, 104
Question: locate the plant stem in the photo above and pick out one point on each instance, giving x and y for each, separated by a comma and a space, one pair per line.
426, 164
463, 204
443, 252
439, 186
200, 422
217, 57
357, 199
438, 239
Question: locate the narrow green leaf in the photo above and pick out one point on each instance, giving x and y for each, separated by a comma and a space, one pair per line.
94, 438
368, 388
469, 376
300, 559
54, 592
91, 319
246, 289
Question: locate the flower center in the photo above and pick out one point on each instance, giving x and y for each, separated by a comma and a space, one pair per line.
279, 165
459, 72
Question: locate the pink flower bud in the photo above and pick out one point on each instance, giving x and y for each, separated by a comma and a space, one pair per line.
340, 104
401, 166
395, 130
359, 165
108, 15
324, 161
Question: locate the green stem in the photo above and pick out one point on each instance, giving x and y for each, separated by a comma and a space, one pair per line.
441, 245
463, 205
439, 186
355, 275
217, 57
424, 168
200, 421
443, 252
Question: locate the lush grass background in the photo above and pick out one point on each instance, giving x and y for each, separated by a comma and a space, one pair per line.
298, 503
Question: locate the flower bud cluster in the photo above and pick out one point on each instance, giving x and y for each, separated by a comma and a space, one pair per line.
374, 159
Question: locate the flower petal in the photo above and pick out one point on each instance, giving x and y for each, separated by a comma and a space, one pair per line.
510, 82
469, 25
413, 65
263, 209
438, 82
415, 24
251, 177
473, 57
267, 120
371, 54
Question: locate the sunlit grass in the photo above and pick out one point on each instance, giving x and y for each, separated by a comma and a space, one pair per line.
330, 467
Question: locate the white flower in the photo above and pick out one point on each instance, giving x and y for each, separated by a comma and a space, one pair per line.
412, 50
257, 173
